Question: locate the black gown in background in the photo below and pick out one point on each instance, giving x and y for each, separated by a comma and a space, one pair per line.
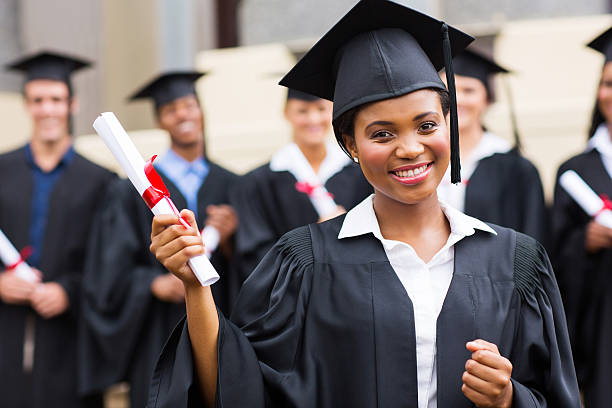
585, 281
269, 205
125, 326
325, 322
72, 205
505, 189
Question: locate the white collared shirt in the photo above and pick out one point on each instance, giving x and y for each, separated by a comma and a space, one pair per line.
454, 194
601, 141
426, 283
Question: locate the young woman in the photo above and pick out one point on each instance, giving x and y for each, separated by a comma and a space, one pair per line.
402, 302
498, 185
281, 195
583, 248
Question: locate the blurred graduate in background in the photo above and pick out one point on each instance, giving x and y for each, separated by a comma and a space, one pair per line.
286, 192
498, 185
131, 302
48, 198
583, 248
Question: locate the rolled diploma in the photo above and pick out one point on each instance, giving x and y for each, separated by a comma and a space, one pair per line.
585, 197
122, 147
210, 236
10, 256
323, 202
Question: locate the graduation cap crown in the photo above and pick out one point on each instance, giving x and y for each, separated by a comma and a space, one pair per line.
379, 50
474, 64
168, 86
48, 65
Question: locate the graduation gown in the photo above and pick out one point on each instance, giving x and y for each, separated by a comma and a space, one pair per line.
125, 326
72, 205
584, 280
324, 322
505, 189
269, 205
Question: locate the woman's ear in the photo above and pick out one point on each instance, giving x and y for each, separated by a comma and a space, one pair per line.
349, 142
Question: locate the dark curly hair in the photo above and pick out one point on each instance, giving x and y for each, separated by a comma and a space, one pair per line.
345, 123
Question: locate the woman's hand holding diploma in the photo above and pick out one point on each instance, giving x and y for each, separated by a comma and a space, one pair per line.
173, 245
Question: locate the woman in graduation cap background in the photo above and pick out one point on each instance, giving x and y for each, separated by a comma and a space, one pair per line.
583, 248
497, 185
402, 301
284, 193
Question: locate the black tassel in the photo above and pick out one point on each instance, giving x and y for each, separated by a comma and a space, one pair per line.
455, 161
515, 132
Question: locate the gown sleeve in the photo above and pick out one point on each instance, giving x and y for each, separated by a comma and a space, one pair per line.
117, 294
252, 198
543, 373
257, 348
534, 213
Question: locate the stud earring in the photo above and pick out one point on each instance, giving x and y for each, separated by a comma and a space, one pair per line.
355, 159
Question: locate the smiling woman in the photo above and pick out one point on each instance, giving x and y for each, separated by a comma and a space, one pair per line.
403, 301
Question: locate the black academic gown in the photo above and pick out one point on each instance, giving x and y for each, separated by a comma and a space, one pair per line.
125, 326
72, 205
269, 205
585, 282
324, 322
505, 189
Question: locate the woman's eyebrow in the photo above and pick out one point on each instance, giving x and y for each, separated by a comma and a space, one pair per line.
422, 115
380, 123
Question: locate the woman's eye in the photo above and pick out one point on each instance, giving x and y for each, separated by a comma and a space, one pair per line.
427, 126
381, 134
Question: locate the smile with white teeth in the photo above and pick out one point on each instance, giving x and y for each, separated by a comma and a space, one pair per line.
410, 173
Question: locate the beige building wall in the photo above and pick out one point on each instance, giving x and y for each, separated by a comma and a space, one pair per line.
553, 87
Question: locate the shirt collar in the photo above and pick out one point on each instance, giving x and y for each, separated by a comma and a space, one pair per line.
175, 166
601, 141
362, 220
64, 161
290, 158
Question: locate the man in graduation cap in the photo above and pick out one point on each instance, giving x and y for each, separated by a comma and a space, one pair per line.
498, 185
131, 302
48, 197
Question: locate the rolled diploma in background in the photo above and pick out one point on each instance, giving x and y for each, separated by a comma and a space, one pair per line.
585, 197
10, 256
210, 236
323, 202
122, 147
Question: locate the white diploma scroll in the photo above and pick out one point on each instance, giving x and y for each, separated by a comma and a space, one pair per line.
10, 257
211, 237
590, 202
122, 147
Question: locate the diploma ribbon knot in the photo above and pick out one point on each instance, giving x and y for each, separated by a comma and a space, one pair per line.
158, 190
309, 189
24, 254
607, 204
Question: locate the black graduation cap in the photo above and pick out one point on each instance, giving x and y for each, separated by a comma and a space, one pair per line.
379, 50
48, 65
473, 64
603, 44
168, 86
302, 96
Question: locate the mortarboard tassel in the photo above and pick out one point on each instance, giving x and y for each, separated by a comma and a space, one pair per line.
455, 161
515, 132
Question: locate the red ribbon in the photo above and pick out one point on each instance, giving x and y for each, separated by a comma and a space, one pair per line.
158, 190
308, 189
607, 204
23, 255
